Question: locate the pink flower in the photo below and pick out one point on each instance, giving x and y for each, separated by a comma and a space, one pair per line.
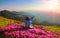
30, 33
58, 35
6, 33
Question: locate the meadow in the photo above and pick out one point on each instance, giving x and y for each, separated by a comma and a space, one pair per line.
4, 22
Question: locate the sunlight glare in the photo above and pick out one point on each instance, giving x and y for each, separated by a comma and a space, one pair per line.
53, 4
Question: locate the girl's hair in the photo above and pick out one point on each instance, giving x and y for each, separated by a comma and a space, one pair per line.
27, 18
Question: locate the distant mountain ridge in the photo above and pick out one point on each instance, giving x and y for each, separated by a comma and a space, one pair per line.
40, 17
11, 15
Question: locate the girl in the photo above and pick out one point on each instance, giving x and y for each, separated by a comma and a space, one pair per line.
28, 21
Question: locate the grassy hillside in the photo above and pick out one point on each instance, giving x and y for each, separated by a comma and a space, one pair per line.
53, 28
4, 22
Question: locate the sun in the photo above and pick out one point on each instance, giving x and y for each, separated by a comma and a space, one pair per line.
52, 4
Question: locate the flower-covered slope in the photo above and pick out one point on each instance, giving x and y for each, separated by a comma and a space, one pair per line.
17, 31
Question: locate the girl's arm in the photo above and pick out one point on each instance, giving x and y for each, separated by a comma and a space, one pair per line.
32, 18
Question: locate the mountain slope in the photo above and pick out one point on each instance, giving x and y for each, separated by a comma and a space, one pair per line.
11, 15
4, 22
46, 18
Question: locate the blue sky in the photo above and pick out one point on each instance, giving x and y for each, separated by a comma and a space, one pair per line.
20, 2
29, 4
15, 4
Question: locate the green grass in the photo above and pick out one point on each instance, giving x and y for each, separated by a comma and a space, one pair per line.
53, 28
4, 22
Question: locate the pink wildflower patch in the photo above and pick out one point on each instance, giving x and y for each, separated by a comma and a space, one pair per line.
28, 33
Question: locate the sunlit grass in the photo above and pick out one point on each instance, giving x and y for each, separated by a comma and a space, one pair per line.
53, 28
4, 22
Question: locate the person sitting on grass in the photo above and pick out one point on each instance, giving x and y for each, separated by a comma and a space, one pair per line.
28, 22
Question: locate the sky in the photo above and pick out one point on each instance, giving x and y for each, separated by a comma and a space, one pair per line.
30, 5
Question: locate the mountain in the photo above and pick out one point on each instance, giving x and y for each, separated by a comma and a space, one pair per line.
41, 17
11, 15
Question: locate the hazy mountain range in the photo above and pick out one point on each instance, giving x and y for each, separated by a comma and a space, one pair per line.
40, 17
